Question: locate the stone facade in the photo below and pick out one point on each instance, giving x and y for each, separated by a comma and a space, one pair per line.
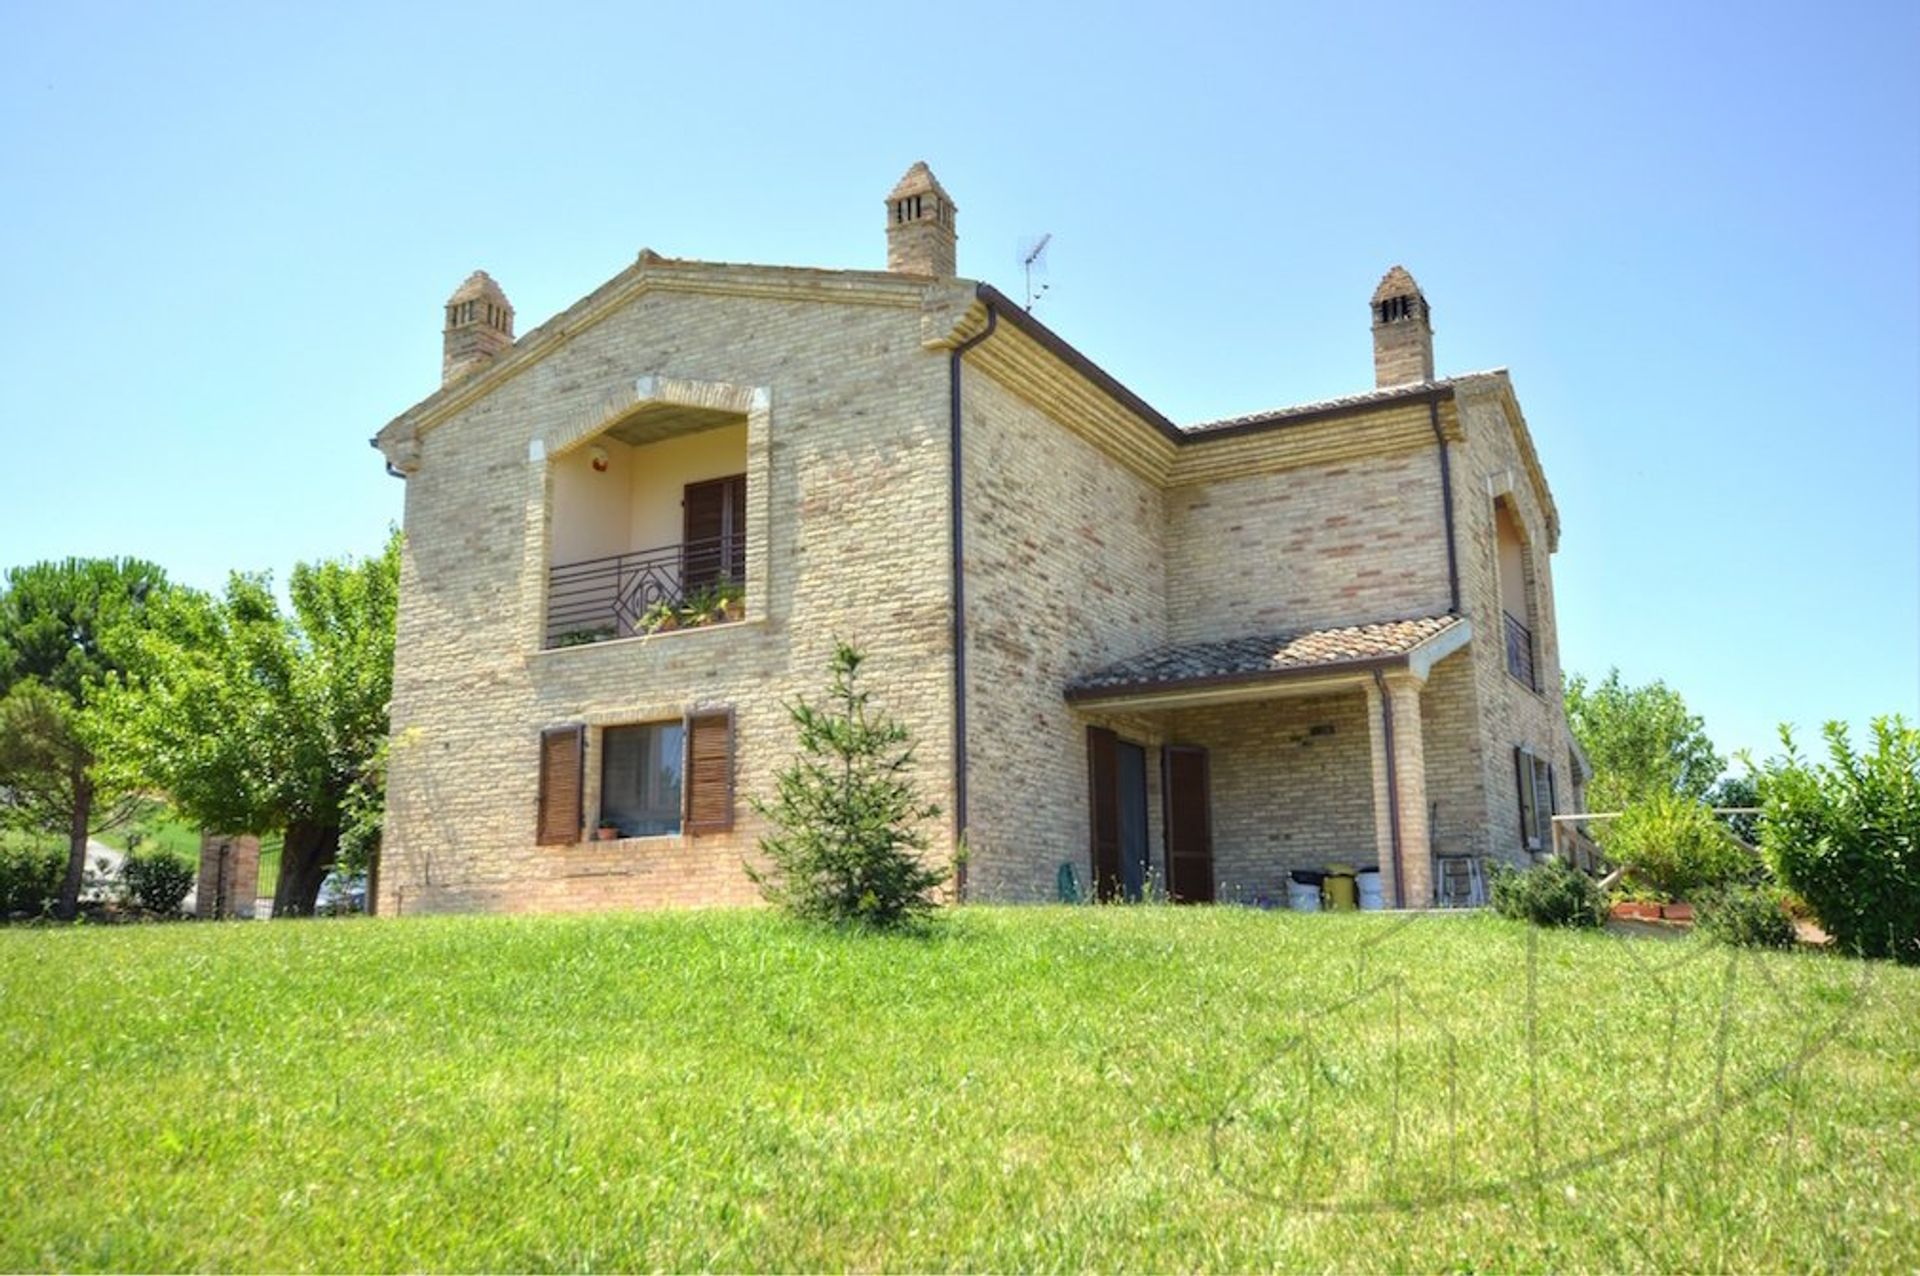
1090, 531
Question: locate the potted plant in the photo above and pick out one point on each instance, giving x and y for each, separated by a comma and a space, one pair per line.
659, 618
1636, 910
609, 832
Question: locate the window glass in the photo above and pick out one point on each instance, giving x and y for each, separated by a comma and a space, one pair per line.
640, 778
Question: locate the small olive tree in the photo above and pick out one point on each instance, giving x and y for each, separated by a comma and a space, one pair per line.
847, 846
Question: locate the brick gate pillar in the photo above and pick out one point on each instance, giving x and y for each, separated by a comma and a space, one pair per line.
229, 876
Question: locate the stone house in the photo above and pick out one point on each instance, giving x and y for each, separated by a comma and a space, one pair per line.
1200, 655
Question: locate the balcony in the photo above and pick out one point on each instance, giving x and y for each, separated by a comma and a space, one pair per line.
686, 586
1520, 652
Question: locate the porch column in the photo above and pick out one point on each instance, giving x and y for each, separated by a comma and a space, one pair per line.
1382, 810
1409, 787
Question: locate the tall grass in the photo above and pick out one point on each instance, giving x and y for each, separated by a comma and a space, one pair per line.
1010, 1089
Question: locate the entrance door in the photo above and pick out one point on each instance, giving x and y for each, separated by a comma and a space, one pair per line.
1103, 809
1132, 795
1189, 825
1117, 807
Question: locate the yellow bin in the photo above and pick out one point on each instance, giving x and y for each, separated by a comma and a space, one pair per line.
1339, 888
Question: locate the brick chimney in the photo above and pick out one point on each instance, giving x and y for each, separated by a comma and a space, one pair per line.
920, 234
1402, 332
479, 327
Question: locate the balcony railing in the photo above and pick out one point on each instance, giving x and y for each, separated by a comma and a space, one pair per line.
622, 595
1520, 652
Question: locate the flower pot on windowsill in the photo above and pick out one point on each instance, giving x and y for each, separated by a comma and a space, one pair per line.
608, 833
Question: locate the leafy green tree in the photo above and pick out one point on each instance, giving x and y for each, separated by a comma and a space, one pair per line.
1845, 836
65, 630
253, 720
848, 846
1642, 742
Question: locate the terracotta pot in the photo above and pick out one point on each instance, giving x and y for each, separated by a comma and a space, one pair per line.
609, 834
1677, 912
1636, 910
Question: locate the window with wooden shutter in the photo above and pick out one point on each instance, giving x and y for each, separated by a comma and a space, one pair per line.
714, 533
1533, 777
709, 775
563, 754
1529, 803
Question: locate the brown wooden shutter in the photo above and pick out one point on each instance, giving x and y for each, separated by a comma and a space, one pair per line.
1525, 782
1103, 803
709, 775
563, 765
713, 520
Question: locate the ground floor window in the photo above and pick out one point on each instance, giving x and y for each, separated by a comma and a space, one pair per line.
640, 771
1533, 777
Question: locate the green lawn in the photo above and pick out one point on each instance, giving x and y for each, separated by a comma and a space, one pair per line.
1044, 1088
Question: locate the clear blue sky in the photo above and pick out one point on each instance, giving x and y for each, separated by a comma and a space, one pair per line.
1692, 234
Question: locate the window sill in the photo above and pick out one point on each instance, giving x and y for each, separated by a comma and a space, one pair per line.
645, 841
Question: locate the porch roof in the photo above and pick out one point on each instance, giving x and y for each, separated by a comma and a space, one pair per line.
1255, 665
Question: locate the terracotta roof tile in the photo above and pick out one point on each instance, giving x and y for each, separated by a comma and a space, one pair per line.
1256, 658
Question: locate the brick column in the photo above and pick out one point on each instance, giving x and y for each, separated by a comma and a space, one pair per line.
1382, 811
1410, 774
1409, 786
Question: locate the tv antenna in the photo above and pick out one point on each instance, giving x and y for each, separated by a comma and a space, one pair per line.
1034, 256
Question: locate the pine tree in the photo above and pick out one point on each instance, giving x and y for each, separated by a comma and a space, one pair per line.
847, 845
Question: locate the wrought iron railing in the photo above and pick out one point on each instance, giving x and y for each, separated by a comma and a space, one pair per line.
1520, 652
626, 594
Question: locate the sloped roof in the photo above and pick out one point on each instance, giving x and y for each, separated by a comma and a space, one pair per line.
1396, 283
1268, 657
918, 180
1325, 407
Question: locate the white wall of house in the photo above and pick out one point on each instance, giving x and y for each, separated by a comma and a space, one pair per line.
634, 504
661, 471
590, 510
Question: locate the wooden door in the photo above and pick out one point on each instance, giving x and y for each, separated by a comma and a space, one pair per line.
1189, 825
1103, 809
1131, 796
713, 532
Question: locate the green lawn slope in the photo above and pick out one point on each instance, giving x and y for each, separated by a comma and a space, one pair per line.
1048, 1088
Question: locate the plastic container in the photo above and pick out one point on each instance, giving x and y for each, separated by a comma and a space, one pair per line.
1340, 892
1302, 897
1372, 891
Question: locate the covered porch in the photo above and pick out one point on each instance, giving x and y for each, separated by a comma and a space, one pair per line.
1217, 769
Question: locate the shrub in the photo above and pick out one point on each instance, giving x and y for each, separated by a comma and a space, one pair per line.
1554, 894
1845, 836
1744, 916
1674, 845
849, 844
29, 879
157, 882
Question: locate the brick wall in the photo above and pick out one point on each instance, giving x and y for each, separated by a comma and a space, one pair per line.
1292, 788
1065, 573
1319, 545
1487, 465
851, 461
